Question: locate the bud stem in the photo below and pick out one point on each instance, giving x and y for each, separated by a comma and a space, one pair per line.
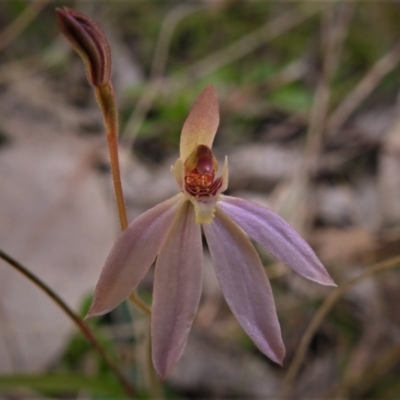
106, 99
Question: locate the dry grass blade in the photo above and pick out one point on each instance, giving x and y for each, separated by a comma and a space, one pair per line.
158, 65
171, 21
365, 87
244, 46
208, 64
321, 314
334, 29
335, 20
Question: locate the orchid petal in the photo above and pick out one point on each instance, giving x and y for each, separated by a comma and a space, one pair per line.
201, 124
177, 290
245, 284
132, 255
277, 236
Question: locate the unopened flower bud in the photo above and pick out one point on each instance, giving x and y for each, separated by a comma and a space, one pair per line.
89, 42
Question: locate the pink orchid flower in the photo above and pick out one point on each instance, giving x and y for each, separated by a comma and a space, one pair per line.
171, 231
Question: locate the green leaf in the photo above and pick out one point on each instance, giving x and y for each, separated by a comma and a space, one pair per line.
60, 383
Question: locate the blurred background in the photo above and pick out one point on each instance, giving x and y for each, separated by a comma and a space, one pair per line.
310, 121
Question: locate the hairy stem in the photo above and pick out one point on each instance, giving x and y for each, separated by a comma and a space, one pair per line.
105, 97
76, 319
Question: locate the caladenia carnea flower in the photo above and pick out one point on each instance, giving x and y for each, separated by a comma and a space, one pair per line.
171, 233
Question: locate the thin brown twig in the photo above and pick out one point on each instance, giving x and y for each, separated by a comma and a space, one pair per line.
75, 318
322, 312
363, 89
335, 22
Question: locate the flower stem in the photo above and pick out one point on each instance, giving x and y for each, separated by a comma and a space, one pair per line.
105, 97
76, 319
139, 303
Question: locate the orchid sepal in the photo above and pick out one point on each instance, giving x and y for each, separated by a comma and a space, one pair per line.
177, 290
277, 236
201, 124
244, 284
132, 255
